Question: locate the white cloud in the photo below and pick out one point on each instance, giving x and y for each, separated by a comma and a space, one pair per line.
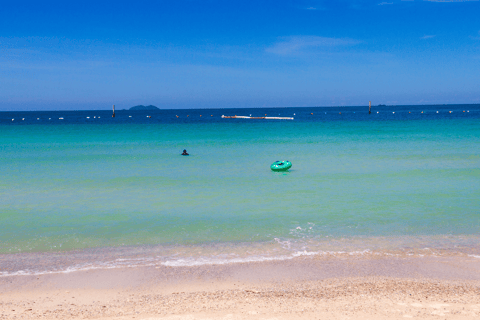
428, 37
297, 44
384, 3
311, 8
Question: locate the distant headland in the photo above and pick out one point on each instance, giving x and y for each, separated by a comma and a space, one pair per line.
144, 108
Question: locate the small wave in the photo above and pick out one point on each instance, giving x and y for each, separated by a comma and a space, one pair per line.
185, 262
216, 261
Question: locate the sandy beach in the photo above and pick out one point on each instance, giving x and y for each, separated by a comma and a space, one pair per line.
304, 288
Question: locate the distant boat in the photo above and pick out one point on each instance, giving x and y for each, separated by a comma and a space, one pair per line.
382, 105
246, 117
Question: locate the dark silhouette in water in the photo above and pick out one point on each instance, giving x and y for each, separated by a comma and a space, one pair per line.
185, 153
144, 108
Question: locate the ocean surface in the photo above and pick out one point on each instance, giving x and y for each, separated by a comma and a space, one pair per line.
80, 189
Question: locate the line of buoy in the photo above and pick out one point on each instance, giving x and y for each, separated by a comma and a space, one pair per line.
249, 117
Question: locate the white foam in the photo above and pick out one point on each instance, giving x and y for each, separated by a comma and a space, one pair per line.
219, 261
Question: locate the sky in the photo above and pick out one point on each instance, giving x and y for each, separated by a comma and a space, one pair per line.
77, 55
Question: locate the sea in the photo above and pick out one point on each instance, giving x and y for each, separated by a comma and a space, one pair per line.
82, 190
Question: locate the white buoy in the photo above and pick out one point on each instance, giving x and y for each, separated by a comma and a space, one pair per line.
23, 118
13, 119
377, 111
88, 117
393, 111
294, 114
60, 118
437, 111
38, 118
129, 116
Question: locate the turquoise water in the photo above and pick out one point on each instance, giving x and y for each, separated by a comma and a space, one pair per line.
113, 191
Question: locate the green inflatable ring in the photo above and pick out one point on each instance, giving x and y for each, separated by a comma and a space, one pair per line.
281, 165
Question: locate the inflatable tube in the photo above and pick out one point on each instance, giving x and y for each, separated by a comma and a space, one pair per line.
281, 165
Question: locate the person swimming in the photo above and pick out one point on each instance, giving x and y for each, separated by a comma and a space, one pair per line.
185, 153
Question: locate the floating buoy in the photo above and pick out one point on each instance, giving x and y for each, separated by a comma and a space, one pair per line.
393, 111
13, 119
188, 115
88, 117
294, 114
200, 115
422, 112
311, 113
265, 114
176, 116
339, 113
60, 118
129, 116
449, 111
437, 111
281, 165
23, 119
409, 112
377, 111
38, 118
463, 110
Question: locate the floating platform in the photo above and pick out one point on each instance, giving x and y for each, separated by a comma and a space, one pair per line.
267, 118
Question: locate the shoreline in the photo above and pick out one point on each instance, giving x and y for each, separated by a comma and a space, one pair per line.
305, 287
53, 262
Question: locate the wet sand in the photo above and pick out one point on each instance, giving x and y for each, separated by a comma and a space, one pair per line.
303, 288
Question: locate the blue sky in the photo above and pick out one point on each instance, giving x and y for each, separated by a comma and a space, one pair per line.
62, 55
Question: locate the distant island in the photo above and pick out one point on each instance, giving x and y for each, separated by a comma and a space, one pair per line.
144, 108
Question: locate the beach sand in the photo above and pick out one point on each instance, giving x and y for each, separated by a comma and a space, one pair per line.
302, 288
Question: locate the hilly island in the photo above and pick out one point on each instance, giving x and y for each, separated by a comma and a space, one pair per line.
144, 108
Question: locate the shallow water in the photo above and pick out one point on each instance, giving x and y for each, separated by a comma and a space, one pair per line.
385, 182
